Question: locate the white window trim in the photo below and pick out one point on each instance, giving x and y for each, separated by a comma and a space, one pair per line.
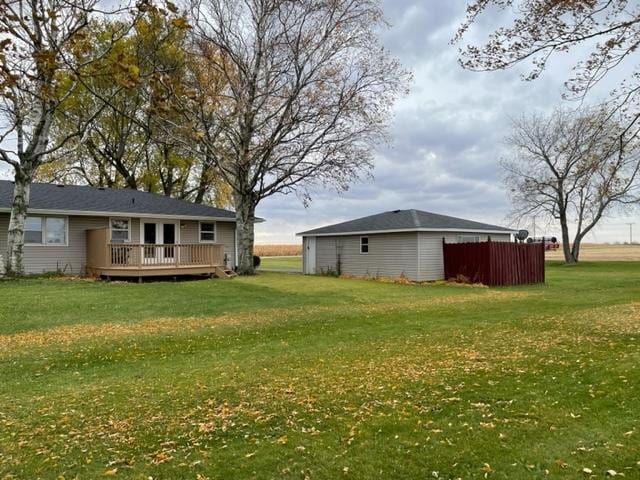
159, 222
111, 229
44, 232
215, 232
368, 245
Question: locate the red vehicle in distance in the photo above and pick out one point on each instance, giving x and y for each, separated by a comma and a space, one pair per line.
550, 243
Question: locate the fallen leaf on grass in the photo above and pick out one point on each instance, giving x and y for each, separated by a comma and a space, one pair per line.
561, 463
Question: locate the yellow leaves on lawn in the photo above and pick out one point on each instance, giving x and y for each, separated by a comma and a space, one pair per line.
161, 456
69, 334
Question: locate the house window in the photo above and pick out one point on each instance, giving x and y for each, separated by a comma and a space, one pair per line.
364, 244
45, 231
55, 231
33, 229
207, 232
468, 239
120, 230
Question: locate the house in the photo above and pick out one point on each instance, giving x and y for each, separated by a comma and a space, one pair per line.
392, 244
120, 232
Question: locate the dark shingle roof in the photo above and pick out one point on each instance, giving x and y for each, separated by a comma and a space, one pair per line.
404, 220
46, 196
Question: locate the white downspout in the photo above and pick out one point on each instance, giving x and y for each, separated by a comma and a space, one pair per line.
235, 246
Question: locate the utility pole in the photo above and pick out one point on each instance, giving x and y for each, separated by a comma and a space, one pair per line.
534, 226
631, 224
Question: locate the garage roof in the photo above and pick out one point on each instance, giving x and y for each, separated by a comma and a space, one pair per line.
405, 220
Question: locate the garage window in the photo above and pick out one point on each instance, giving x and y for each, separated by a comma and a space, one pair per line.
364, 245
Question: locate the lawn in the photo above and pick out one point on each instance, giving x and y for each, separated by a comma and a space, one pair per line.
288, 376
282, 263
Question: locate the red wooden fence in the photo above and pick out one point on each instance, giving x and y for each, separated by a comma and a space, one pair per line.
495, 263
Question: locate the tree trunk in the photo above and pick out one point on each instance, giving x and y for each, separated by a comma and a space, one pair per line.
566, 243
15, 237
203, 184
575, 248
245, 220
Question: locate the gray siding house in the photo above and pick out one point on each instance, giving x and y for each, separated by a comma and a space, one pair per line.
119, 232
392, 244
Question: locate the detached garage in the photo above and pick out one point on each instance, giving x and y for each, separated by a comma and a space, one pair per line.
398, 243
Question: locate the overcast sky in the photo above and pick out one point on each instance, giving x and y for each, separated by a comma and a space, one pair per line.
447, 134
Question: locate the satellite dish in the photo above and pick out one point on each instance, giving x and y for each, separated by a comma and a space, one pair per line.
554, 240
522, 235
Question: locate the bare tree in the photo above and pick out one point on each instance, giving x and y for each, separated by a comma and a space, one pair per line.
543, 29
306, 94
574, 167
39, 45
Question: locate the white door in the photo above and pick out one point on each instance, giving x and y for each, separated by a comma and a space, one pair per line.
311, 255
159, 238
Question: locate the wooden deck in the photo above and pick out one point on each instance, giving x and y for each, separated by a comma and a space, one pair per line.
106, 259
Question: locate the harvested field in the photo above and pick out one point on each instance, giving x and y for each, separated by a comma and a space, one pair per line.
597, 252
278, 250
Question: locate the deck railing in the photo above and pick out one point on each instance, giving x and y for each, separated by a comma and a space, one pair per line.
103, 255
141, 256
183, 254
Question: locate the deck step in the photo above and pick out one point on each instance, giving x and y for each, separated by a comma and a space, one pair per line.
224, 272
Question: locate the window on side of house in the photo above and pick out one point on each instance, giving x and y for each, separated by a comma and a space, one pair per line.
468, 238
45, 231
55, 231
120, 230
207, 232
364, 244
33, 230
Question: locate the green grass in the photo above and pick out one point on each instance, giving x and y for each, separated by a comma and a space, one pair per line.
289, 376
282, 263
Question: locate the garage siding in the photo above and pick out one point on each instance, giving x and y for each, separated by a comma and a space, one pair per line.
305, 252
390, 255
415, 255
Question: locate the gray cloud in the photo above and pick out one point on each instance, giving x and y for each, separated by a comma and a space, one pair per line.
447, 134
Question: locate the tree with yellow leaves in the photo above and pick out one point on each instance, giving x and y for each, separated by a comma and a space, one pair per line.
127, 145
39, 65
